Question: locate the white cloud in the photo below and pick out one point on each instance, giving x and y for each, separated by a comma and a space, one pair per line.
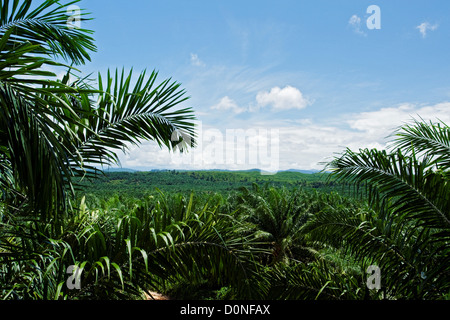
282, 99
227, 104
355, 23
424, 27
306, 146
277, 98
302, 145
381, 123
195, 61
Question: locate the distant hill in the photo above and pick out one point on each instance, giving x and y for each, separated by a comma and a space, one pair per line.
302, 171
119, 170
205, 170
136, 183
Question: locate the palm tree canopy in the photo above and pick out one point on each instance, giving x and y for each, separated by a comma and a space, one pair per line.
54, 130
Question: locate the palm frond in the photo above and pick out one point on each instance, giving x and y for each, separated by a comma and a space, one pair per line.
316, 281
47, 27
409, 186
425, 138
408, 191
124, 115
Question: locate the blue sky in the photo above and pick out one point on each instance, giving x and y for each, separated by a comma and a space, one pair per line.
310, 73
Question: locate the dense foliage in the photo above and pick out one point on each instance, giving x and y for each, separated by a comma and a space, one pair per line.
138, 184
185, 246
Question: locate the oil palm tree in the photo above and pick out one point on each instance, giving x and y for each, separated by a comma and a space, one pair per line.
275, 217
33, 165
406, 232
297, 264
54, 130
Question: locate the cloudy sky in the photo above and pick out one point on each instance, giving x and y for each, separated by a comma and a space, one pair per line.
282, 84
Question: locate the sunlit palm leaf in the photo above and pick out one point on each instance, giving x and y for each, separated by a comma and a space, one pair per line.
126, 115
421, 138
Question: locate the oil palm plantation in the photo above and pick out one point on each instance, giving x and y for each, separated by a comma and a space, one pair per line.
171, 244
54, 132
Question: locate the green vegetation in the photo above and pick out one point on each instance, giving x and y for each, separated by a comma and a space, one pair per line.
139, 184
194, 235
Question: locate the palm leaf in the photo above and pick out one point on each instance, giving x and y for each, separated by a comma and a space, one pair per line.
47, 27
126, 115
430, 139
405, 184
408, 189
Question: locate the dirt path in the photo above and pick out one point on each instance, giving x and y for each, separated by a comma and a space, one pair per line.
151, 295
